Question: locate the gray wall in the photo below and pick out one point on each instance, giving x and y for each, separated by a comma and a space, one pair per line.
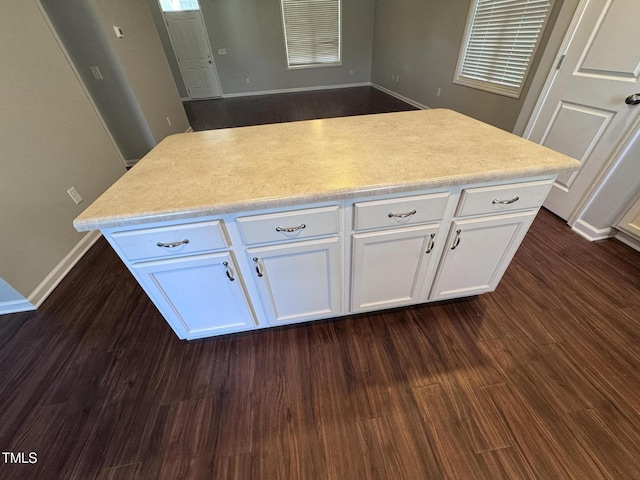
420, 41
78, 25
138, 91
251, 32
50, 139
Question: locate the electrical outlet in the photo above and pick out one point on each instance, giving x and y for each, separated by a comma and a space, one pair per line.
222, 51
350, 72
439, 92
248, 80
169, 120
73, 193
397, 78
119, 32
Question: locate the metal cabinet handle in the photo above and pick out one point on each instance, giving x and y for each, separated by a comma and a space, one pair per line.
456, 240
402, 215
431, 243
633, 99
506, 202
173, 244
258, 269
229, 271
291, 229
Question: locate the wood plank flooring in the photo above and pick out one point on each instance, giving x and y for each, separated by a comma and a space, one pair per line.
538, 380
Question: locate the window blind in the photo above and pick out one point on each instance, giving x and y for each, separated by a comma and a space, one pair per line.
501, 39
311, 32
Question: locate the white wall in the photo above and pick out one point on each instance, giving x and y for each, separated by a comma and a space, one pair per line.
50, 139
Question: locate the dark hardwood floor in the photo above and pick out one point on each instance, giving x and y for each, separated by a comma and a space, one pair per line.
538, 380
290, 107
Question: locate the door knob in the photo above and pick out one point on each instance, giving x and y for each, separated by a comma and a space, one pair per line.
633, 99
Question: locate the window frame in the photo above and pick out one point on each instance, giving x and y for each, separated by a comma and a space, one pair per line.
336, 63
487, 84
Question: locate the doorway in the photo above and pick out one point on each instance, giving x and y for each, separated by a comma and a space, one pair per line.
190, 43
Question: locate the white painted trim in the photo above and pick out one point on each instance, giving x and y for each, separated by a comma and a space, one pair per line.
185, 99
16, 306
297, 89
56, 275
628, 240
131, 163
590, 232
189, 130
401, 97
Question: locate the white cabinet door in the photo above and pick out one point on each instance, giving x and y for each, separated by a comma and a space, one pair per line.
389, 267
199, 296
298, 281
478, 252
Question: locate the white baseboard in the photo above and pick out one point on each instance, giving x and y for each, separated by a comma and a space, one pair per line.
60, 271
590, 232
400, 97
189, 130
16, 306
131, 163
628, 240
293, 90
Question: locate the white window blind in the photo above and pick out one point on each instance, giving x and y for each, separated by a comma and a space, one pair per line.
499, 44
311, 32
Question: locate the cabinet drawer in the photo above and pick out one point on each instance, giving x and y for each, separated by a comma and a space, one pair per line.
291, 225
503, 198
159, 242
400, 211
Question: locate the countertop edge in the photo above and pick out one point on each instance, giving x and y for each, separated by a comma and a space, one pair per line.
165, 215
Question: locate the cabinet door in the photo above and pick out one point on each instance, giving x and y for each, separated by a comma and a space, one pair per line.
390, 267
298, 281
478, 252
199, 296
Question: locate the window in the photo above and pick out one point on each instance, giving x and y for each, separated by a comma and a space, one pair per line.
179, 5
311, 32
500, 40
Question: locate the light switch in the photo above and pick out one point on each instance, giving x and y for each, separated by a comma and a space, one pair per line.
118, 30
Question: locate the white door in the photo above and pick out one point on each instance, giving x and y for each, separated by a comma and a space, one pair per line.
298, 281
191, 45
478, 252
200, 296
582, 113
389, 267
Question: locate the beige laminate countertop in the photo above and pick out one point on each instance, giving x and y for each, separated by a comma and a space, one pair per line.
247, 168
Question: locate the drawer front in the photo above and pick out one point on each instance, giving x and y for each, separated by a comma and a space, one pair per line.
395, 212
503, 198
291, 225
160, 242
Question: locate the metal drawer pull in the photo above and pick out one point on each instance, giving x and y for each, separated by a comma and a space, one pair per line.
291, 229
258, 271
402, 215
506, 202
173, 244
229, 271
456, 241
431, 243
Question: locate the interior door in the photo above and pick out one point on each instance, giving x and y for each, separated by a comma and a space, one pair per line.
191, 46
583, 113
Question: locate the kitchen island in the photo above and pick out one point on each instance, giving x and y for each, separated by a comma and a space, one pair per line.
252, 227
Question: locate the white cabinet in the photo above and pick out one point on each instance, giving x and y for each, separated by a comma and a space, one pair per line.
199, 295
389, 267
629, 226
477, 253
298, 281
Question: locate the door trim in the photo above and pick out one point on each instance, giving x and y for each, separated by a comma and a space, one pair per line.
617, 153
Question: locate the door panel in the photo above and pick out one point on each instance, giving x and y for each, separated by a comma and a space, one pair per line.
583, 114
192, 49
